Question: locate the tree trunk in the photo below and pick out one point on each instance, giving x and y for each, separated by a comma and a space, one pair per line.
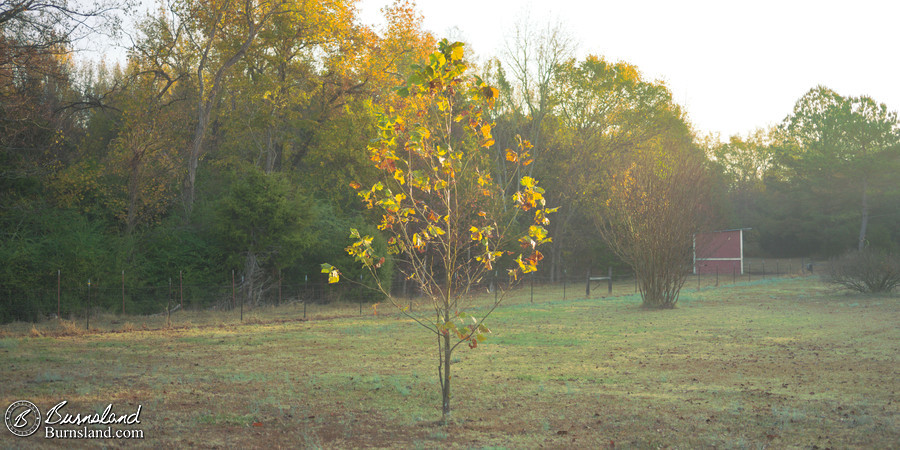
865, 215
203, 112
445, 380
133, 190
205, 105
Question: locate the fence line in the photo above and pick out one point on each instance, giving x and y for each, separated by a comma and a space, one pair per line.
83, 300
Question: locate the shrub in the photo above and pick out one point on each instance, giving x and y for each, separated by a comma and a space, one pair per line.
869, 271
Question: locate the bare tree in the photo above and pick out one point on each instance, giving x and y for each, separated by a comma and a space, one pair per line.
534, 55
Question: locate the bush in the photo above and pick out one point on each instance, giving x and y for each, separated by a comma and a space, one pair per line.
868, 271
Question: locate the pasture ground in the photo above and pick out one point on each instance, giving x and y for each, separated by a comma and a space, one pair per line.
772, 363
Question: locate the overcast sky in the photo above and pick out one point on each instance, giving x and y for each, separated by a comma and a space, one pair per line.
733, 65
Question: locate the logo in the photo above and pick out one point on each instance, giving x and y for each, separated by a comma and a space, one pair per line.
23, 418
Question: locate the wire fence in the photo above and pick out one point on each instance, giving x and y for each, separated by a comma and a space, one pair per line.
71, 300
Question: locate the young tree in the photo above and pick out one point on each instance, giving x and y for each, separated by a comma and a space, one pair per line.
440, 207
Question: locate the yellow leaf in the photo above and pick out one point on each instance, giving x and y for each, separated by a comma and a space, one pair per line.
457, 52
486, 131
398, 175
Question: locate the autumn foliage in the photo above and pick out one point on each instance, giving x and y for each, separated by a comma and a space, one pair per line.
655, 204
449, 224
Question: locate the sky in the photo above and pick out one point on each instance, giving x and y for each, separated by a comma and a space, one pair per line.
734, 66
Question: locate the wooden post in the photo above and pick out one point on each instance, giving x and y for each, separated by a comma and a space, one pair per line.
609, 282
123, 292
58, 291
232, 289
181, 289
169, 299
587, 289
242, 297
87, 315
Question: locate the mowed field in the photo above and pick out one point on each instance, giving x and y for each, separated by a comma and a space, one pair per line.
774, 363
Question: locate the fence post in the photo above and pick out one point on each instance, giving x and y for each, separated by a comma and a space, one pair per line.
232, 289
564, 284
87, 315
58, 291
609, 282
169, 299
587, 289
280, 278
181, 289
123, 292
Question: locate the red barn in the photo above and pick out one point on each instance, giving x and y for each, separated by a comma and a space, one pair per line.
719, 252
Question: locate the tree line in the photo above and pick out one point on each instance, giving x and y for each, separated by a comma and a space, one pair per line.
231, 137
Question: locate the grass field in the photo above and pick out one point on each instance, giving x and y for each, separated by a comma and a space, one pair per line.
771, 363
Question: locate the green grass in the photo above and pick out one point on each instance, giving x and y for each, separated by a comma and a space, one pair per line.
769, 363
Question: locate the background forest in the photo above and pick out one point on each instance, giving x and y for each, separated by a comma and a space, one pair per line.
229, 140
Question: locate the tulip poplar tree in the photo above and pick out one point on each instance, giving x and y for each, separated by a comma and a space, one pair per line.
449, 224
